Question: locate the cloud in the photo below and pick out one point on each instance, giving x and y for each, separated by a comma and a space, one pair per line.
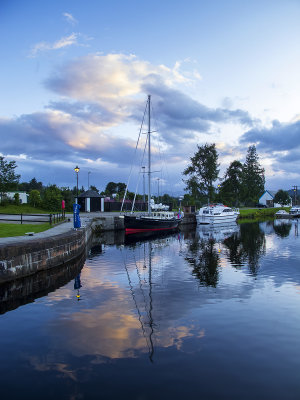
99, 110
279, 137
70, 19
117, 81
59, 44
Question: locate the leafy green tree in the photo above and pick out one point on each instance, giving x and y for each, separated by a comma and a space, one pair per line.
282, 197
231, 187
17, 199
52, 198
8, 178
253, 177
94, 188
202, 172
34, 198
113, 187
32, 185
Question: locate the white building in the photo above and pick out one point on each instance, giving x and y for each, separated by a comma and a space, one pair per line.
22, 195
267, 199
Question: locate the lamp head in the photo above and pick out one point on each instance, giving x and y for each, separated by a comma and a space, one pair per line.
76, 169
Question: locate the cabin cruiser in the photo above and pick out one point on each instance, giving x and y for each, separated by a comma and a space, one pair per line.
281, 214
216, 214
295, 211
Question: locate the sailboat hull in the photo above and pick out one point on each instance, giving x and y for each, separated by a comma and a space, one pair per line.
136, 224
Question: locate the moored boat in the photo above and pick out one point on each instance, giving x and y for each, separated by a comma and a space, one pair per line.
282, 214
295, 211
158, 220
216, 214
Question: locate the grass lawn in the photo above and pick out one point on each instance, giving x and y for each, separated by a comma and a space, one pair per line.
7, 230
259, 213
24, 209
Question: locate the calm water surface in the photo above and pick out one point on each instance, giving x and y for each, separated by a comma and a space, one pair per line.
204, 314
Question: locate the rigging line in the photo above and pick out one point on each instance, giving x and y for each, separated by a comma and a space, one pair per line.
141, 127
140, 282
151, 322
135, 302
135, 193
161, 153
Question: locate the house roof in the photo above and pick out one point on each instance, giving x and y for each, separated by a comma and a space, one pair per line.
271, 193
89, 194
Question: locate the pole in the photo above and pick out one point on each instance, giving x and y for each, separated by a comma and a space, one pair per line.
149, 158
143, 184
89, 180
77, 188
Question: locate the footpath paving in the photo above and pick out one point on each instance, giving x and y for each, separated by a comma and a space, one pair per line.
56, 230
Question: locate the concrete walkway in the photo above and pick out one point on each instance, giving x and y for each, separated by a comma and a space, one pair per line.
58, 229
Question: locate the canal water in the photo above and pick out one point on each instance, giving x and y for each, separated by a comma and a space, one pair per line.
208, 313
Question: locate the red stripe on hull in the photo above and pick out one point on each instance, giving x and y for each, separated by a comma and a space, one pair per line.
131, 230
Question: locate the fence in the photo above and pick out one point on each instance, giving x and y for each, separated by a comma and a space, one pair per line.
33, 218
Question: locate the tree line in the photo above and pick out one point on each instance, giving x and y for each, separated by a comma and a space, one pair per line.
242, 183
50, 197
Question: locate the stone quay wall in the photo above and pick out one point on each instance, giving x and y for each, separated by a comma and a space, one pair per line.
25, 258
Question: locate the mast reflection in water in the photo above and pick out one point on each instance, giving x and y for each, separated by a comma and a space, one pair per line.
210, 313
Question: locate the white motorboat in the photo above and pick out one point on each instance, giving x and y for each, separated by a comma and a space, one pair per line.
216, 214
281, 214
295, 211
218, 232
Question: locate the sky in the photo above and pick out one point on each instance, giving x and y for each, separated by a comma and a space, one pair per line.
75, 76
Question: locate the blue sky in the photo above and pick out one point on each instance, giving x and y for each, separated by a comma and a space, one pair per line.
75, 76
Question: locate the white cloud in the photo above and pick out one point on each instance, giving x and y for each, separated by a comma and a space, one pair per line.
69, 17
59, 44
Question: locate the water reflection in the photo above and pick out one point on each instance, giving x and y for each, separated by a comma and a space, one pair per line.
145, 318
247, 247
22, 291
282, 227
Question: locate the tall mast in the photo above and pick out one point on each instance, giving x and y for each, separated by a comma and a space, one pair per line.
149, 158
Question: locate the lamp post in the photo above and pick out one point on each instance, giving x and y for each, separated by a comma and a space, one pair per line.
89, 180
77, 169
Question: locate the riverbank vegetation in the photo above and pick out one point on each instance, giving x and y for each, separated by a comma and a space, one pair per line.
260, 213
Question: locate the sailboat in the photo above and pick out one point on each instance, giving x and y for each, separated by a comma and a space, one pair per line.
159, 219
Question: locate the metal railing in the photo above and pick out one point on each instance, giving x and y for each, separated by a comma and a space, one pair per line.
28, 218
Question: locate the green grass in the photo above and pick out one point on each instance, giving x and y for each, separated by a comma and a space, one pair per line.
24, 209
8, 230
259, 213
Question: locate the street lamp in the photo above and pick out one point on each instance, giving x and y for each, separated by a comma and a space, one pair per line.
89, 180
77, 169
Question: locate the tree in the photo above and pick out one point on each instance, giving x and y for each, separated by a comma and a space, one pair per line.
94, 188
34, 198
231, 187
253, 177
32, 185
282, 197
52, 198
202, 172
113, 187
8, 178
17, 199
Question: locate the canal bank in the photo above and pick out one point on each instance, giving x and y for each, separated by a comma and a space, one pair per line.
23, 256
